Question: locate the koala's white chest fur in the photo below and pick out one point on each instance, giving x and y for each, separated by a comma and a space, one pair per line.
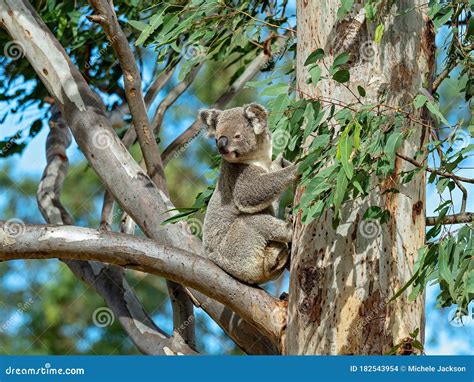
263, 156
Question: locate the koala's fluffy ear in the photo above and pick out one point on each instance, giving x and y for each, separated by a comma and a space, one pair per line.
209, 118
257, 115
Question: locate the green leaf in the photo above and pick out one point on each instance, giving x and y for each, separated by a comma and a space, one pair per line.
138, 25
341, 59
369, 11
341, 76
345, 149
341, 187
278, 108
357, 130
442, 18
372, 213
443, 264
435, 111
180, 216
379, 33
308, 119
155, 22
315, 56
315, 73
419, 101
361, 91
274, 90
393, 143
345, 7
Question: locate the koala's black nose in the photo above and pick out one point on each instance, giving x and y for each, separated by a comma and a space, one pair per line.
222, 144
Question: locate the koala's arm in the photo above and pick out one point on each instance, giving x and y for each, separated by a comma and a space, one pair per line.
255, 190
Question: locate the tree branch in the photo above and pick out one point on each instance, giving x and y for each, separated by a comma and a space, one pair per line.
251, 71
466, 217
145, 255
434, 171
106, 17
108, 281
171, 97
247, 338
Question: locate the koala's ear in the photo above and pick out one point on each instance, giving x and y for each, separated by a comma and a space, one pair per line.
257, 115
209, 117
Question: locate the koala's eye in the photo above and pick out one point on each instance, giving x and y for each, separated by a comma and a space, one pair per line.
237, 136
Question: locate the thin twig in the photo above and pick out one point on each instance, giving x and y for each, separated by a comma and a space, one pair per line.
466, 217
434, 171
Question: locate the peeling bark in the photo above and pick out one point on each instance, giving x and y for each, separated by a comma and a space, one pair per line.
341, 279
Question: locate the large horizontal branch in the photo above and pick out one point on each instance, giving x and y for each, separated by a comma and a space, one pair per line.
465, 217
435, 171
78, 243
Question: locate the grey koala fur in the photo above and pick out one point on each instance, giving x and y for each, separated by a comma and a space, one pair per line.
241, 233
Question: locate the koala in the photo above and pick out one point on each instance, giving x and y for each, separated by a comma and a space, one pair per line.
241, 233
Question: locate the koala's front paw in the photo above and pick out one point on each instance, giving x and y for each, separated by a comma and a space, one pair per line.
281, 162
278, 162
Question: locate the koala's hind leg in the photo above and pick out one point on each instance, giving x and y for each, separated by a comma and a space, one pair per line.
276, 256
254, 249
270, 227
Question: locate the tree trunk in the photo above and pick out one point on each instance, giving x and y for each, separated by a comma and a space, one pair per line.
341, 279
